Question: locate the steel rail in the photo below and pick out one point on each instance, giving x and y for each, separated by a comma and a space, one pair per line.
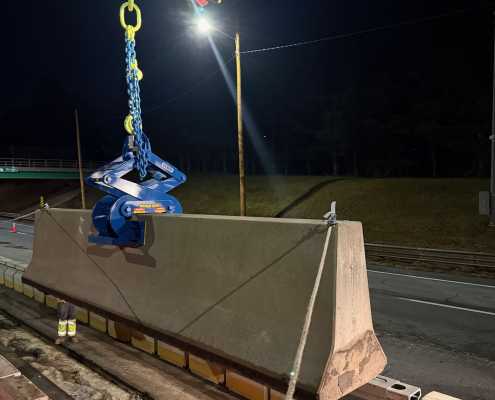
437, 257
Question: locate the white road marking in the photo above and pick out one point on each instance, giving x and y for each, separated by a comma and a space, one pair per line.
447, 306
431, 279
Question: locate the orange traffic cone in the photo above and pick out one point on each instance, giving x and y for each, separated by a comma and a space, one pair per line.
13, 228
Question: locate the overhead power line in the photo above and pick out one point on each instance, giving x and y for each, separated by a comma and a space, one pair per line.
356, 33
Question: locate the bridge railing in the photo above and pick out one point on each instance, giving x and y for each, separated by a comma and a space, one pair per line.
46, 163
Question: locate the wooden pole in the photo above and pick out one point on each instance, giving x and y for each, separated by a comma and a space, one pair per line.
79, 160
492, 138
240, 134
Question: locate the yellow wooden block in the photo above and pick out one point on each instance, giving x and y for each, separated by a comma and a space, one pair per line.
171, 354
3, 268
111, 329
246, 387
39, 296
28, 290
98, 322
208, 370
18, 282
51, 301
438, 396
274, 395
82, 315
119, 331
143, 342
9, 277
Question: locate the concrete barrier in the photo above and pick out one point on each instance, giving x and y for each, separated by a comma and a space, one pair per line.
228, 289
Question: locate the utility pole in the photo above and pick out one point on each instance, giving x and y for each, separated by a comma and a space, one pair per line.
79, 160
492, 138
240, 134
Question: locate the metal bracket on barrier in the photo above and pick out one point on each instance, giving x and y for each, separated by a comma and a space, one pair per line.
331, 216
383, 388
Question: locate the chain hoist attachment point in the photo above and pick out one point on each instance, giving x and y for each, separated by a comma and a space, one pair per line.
140, 74
331, 216
130, 30
128, 125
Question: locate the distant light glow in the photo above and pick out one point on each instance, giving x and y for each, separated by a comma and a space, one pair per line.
203, 25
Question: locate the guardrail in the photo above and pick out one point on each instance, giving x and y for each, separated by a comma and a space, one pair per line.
441, 258
46, 163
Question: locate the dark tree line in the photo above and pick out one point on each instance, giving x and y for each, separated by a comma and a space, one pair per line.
406, 128
377, 132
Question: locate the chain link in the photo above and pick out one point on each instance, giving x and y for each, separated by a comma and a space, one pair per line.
133, 89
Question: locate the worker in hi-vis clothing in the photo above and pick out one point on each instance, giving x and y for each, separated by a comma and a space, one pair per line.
67, 325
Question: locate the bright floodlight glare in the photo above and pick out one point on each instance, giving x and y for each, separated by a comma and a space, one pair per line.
203, 25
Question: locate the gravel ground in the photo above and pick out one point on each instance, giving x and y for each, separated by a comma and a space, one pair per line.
72, 377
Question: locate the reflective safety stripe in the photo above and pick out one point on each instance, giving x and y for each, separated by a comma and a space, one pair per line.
62, 328
72, 327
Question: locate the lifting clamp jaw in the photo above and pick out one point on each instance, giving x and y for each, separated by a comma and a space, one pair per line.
118, 216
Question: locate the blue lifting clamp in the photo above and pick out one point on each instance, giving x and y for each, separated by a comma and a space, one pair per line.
118, 216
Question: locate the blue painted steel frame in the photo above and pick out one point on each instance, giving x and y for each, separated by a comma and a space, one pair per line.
114, 215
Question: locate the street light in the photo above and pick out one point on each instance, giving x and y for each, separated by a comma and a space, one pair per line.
492, 138
204, 26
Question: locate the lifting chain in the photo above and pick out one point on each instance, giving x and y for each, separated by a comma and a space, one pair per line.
133, 122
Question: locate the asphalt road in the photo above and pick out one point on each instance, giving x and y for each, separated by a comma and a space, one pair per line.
438, 331
16, 246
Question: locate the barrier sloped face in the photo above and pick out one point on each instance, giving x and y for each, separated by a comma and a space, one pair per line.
235, 288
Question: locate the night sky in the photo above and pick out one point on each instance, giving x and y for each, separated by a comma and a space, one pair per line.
421, 91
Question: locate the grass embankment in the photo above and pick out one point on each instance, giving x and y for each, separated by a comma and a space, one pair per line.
435, 213
219, 194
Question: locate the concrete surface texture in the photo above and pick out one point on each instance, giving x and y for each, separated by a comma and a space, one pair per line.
238, 287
